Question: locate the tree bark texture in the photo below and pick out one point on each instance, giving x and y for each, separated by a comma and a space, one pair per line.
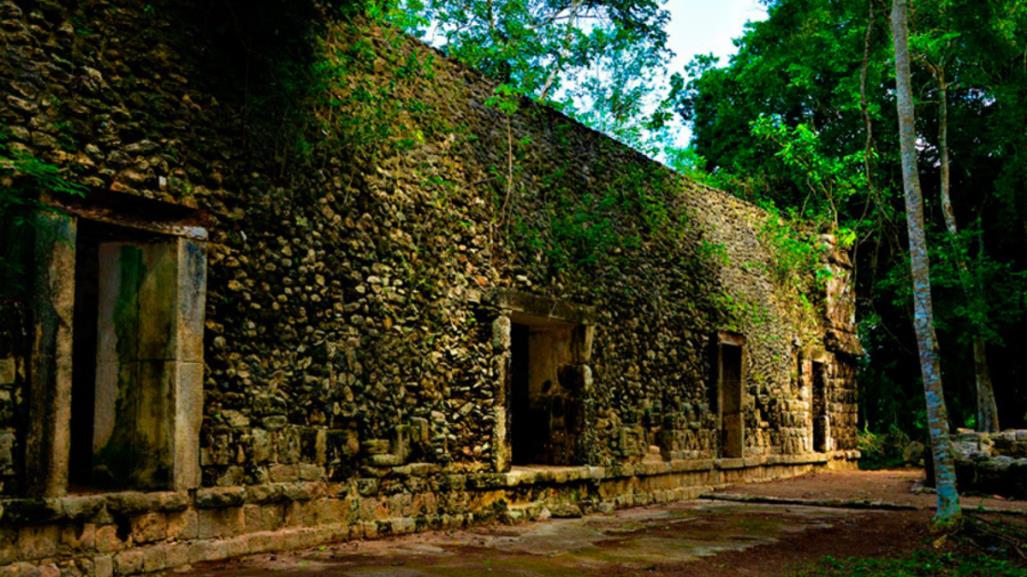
930, 364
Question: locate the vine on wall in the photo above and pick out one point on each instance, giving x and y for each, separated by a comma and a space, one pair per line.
23, 178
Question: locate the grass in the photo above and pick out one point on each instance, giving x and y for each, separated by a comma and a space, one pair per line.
920, 564
980, 547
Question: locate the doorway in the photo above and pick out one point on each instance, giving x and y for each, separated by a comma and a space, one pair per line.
820, 418
730, 384
545, 393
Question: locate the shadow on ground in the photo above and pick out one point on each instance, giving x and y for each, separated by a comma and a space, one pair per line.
875, 514
726, 539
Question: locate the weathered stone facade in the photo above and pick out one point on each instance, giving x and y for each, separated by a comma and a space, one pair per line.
992, 463
374, 288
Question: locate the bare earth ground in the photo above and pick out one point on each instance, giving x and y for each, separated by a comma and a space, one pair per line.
699, 538
892, 486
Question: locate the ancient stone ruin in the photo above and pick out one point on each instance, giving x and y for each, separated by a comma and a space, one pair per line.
991, 463
362, 316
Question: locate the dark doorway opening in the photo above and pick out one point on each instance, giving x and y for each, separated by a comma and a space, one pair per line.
525, 442
729, 385
820, 418
546, 388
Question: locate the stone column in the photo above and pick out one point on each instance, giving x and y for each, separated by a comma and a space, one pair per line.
188, 370
501, 350
47, 441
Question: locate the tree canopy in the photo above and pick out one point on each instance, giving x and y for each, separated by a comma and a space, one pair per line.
804, 116
600, 61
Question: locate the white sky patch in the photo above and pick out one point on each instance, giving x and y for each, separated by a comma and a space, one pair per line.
707, 26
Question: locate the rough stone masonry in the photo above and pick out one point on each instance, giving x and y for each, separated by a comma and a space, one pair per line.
321, 287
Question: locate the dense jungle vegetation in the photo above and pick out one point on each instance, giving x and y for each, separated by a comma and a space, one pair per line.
812, 88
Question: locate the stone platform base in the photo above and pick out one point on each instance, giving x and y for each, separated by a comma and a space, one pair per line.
129, 533
992, 463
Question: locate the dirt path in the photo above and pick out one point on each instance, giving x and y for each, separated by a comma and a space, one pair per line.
892, 486
704, 538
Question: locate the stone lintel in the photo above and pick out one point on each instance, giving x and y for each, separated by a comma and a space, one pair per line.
530, 308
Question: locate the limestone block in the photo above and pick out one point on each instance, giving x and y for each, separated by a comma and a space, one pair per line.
8, 371
107, 540
183, 525
200, 551
155, 557
188, 409
402, 526
261, 446
300, 491
287, 442
176, 555
231, 477
37, 542
31, 570
261, 494
149, 527
262, 543
47, 439
219, 523
262, 517
78, 537
103, 566
191, 287
129, 562
308, 472
283, 473
300, 514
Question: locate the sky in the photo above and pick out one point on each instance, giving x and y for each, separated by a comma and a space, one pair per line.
703, 26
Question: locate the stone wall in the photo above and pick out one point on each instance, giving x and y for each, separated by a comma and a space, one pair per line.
992, 463
129, 533
361, 236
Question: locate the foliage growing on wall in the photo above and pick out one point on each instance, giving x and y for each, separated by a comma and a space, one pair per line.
364, 113
580, 230
23, 178
797, 253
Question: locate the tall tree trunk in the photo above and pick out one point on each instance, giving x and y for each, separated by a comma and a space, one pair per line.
987, 408
923, 321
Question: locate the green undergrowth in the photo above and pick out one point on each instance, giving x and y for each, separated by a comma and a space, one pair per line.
882, 450
979, 547
920, 564
23, 177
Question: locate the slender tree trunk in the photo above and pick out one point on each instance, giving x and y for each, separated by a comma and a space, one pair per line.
987, 408
923, 321
572, 19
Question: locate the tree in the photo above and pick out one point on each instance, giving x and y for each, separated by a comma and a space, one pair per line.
987, 408
600, 61
822, 73
936, 48
930, 364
